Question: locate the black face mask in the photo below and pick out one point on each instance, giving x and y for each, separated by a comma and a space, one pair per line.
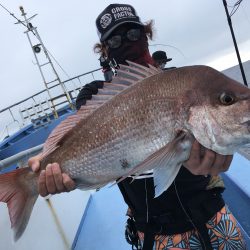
134, 51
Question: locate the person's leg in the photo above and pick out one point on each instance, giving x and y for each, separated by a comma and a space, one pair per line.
224, 231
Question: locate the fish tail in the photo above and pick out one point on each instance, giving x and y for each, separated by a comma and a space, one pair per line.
18, 189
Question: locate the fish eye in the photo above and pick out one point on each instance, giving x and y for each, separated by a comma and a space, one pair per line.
227, 99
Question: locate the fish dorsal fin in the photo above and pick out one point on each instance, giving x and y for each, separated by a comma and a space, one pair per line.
134, 70
126, 76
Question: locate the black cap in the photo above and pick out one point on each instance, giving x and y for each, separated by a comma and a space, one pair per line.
113, 16
160, 55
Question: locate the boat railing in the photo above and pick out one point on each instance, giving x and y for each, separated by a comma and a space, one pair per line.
19, 158
38, 108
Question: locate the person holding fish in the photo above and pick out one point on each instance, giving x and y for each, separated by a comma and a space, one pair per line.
191, 213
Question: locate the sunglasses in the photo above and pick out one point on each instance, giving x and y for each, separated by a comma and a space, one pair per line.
115, 41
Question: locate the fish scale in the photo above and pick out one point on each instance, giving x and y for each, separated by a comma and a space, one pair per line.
124, 138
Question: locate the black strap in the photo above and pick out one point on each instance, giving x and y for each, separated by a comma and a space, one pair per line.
149, 236
198, 220
204, 237
202, 208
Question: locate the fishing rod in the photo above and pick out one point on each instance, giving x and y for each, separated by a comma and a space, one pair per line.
234, 41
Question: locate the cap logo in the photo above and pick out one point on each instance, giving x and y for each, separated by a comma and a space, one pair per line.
105, 20
113, 16
121, 12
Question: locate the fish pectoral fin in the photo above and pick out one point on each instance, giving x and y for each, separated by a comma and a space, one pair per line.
169, 160
164, 176
165, 162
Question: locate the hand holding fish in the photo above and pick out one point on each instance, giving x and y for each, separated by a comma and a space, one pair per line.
51, 179
203, 161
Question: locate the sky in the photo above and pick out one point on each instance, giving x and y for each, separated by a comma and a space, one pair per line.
190, 31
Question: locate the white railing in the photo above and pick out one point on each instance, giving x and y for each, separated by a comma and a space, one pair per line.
40, 105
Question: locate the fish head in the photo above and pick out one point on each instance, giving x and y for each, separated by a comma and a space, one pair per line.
219, 118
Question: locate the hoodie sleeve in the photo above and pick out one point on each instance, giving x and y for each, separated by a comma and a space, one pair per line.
87, 91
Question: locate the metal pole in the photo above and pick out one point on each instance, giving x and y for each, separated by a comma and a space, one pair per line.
31, 28
235, 43
53, 68
20, 156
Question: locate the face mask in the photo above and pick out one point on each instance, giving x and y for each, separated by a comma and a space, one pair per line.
162, 65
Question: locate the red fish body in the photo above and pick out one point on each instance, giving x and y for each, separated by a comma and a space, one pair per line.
145, 119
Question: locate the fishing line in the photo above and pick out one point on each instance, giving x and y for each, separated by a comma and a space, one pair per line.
63, 70
235, 7
189, 218
171, 46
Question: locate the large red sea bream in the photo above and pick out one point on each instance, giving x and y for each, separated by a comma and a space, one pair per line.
145, 119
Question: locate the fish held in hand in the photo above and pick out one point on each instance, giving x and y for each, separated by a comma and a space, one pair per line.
144, 119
